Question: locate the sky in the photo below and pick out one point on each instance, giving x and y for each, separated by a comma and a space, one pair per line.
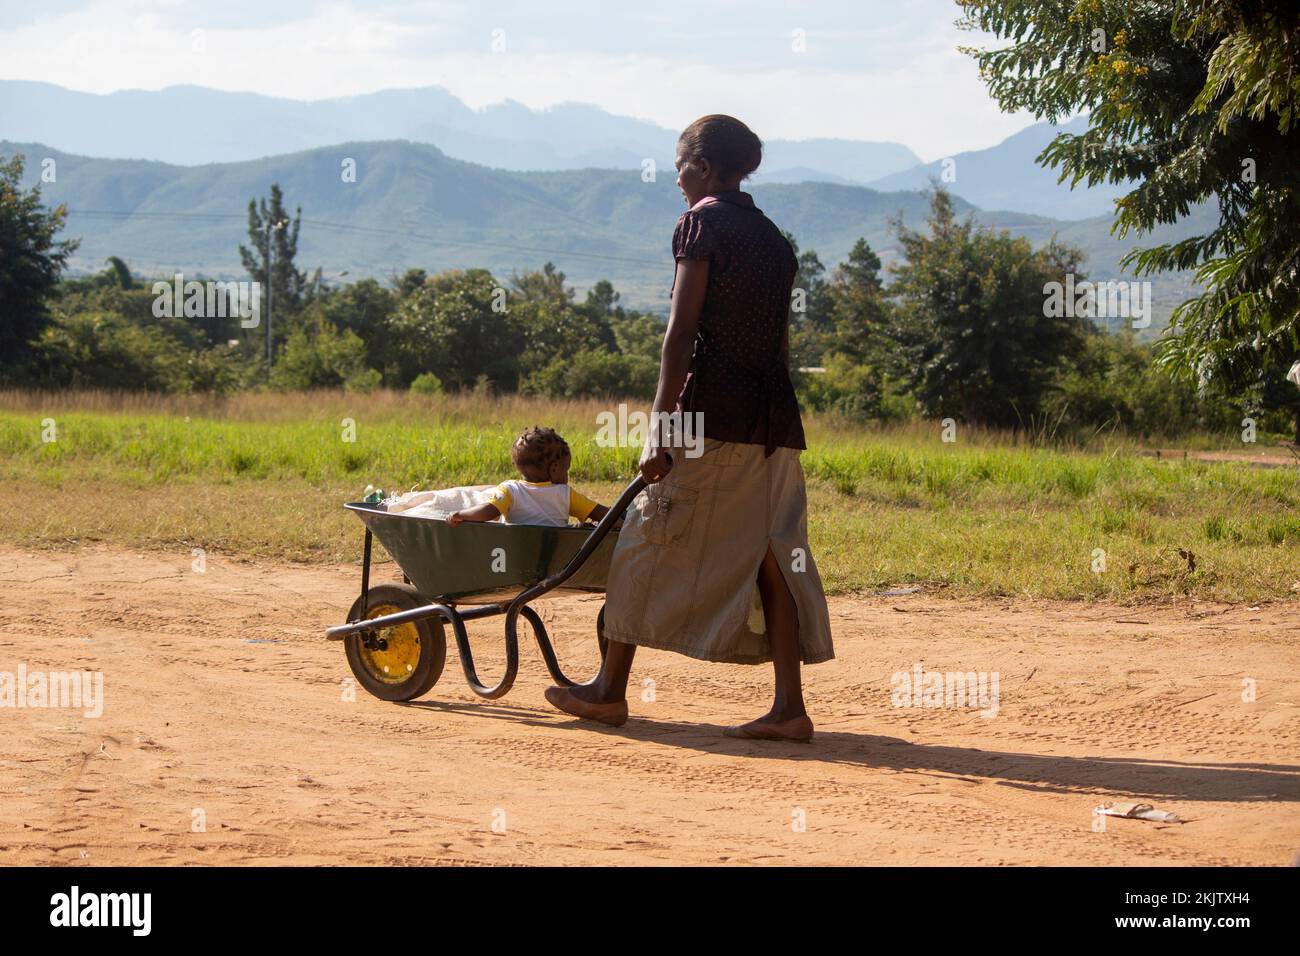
853, 69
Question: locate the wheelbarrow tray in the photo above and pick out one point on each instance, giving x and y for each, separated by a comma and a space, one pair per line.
483, 561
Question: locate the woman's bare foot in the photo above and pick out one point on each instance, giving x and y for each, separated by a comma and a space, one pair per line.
574, 700
765, 728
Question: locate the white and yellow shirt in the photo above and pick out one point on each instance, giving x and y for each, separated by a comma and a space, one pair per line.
539, 502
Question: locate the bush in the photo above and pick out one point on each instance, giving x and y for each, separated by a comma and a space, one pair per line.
102, 350
217, 371
321, 357
858, 392
1116, 383
367, 380
426, 383
594, 374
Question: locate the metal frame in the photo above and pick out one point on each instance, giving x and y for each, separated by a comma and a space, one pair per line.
512, 610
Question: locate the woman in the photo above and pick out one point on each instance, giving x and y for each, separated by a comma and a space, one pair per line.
710, 527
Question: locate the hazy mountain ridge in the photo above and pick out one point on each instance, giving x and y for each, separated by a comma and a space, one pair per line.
411, 205
1006, 176
507, 135
235, 127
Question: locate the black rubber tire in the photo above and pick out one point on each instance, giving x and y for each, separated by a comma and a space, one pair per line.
426, 670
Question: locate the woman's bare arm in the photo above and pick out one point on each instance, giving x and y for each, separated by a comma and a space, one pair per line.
679, 340
675, 357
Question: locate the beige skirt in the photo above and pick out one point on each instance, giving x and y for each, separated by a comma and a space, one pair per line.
683, 575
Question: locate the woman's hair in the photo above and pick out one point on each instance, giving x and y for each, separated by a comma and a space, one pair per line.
724, 141
536, 448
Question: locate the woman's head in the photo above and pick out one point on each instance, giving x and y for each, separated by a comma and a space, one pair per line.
715, 153
541, 454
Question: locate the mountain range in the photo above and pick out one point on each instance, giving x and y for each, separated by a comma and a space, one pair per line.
230, 127
191, 125
1007, 177
413, 205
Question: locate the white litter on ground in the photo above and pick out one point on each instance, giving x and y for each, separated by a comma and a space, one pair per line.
1137, 811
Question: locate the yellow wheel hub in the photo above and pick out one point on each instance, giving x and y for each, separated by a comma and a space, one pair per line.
398, 662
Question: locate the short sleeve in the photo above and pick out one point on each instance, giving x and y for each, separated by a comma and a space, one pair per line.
501, 498
693, 238
580, 506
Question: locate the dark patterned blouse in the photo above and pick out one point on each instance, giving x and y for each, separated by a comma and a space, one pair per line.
738, 376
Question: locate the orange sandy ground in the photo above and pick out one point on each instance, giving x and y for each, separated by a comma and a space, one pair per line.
223, 696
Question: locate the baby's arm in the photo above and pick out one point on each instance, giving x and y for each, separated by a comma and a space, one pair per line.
583, 508
487, 512
599, 511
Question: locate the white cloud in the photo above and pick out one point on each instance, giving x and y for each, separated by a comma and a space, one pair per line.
896, 78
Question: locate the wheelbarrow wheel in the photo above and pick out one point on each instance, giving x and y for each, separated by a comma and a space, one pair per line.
403, 662
600, 633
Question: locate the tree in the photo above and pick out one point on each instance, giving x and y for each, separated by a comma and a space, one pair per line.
449, 327
364, 308
602, 299
639, 333
320, 357
272, 233
30, 261
546, 285
973, 322
594, 373
1115, 383
409, 281
552, 331
856, 342
1189, 101
119, 272
105, 350
860, 325
810, 319
553, 326
631, 333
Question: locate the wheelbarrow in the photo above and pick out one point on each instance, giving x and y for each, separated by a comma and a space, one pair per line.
395, 637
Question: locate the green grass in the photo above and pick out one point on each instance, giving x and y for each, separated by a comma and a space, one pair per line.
264, 475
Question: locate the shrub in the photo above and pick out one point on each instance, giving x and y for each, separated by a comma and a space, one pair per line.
367, 380
594, 374
320, 357
426, 383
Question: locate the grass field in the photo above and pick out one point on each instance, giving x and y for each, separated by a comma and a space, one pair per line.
263, 475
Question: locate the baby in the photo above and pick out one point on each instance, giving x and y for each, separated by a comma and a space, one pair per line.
543, 495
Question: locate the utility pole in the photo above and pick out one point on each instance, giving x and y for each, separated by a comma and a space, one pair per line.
270, 283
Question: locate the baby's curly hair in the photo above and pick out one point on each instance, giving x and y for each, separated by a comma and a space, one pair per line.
535, 449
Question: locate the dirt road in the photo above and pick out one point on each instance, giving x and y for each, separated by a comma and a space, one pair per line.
227, 736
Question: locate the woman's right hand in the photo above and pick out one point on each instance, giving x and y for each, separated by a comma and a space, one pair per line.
655, 464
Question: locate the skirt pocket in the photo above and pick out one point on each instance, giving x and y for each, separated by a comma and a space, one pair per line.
668, 513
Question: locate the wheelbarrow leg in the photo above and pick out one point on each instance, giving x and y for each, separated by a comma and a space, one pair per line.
507, 681
543, 644
512, 650
365, 574
543, 641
